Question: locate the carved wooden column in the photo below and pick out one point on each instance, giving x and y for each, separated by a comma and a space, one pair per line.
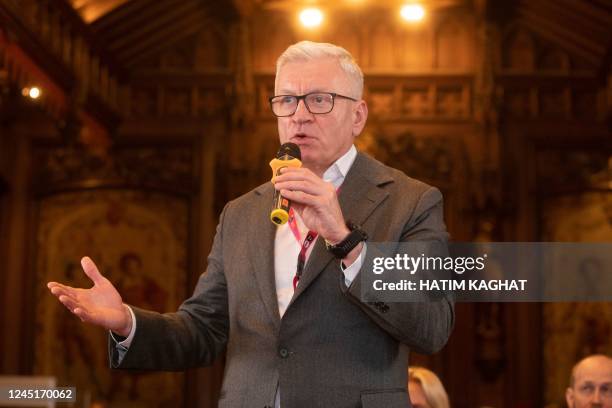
487, 183
490, 334
15, 262
508, 351
242, 107
5, 170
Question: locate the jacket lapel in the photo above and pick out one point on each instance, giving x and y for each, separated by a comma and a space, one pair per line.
359, 196
261, 251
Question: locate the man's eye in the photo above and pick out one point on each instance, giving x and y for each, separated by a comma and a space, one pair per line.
288, 99
318, 99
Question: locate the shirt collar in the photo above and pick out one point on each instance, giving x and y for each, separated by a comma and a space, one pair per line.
336, 173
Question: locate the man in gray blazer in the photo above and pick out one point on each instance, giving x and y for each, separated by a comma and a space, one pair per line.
308, 340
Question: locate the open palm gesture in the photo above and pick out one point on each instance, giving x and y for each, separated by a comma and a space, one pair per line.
100, 305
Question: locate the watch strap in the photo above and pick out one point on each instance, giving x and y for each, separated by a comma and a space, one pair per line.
342, 249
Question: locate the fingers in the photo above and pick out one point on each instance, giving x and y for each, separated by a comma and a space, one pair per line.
69, 302
82, 314
58, 289
284, 170
299, 197
302, 185
65, 294
75, 307
305, 181
91, 270
295, 173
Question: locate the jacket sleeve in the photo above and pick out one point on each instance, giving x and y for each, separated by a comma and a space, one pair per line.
194, 335
424, 326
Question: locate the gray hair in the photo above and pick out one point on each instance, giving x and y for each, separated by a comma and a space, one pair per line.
305, 51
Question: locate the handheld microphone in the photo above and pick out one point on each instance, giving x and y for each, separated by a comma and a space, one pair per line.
287, 156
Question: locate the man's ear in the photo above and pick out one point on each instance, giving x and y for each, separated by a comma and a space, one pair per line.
360, 116
569, 397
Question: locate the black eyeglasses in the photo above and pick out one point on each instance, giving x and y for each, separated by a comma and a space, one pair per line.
316, 103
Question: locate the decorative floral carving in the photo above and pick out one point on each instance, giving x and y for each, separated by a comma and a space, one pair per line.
162, 168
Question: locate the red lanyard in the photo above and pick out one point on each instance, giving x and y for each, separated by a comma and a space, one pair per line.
310, 237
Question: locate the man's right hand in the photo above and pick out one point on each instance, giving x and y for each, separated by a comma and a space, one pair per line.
101, 304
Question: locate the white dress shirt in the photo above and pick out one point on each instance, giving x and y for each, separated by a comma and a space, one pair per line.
286, 244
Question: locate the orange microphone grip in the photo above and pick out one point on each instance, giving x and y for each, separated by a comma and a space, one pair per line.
280, 209
277, 164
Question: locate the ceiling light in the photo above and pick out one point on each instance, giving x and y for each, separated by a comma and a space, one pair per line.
412, 12
311, 17
33, 92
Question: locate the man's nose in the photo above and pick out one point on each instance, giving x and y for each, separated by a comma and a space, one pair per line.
302, 114
596, 401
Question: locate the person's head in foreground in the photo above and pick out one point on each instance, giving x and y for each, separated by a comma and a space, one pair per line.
317, 100
426, 389
591, 383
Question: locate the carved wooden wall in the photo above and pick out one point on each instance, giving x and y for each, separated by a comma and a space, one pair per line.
504, 113
575, 206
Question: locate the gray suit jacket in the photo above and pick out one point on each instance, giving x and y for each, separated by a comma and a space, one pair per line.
330, 349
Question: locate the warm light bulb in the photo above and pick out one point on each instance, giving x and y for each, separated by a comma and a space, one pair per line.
34, 92
311, 17
412, 12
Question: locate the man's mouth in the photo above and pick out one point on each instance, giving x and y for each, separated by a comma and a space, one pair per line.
300, 136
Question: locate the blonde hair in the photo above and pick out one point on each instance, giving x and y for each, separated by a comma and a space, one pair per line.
305, 51
432, 386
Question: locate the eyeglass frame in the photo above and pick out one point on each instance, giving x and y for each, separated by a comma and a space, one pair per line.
303, 97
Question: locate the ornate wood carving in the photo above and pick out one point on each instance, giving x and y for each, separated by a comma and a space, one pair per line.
400, 98
159, 168
67, 42
565, 171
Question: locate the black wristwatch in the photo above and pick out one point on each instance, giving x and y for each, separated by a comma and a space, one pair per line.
342, 249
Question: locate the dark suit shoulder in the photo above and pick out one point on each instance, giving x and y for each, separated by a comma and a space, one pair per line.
382, 174
263, 191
